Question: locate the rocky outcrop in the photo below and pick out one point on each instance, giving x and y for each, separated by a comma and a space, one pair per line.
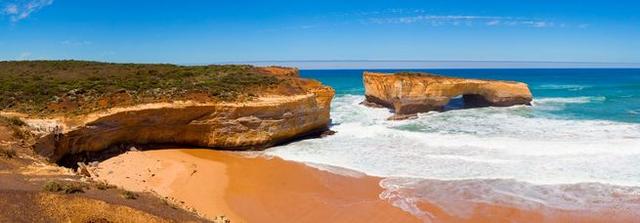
411, 93
275, 117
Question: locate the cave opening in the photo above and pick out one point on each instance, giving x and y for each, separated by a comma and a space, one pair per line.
73, 160
466, 101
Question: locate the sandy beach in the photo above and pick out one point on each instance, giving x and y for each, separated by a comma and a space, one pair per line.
265, 189
251, 189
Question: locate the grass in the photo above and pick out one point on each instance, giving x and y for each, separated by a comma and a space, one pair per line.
33, 86
416, 74
63, 187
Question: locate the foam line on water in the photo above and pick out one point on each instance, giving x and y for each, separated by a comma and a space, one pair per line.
519, 156
570, 87
569, 100
461, 197
509, 143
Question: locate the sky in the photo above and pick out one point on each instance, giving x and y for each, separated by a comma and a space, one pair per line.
317, 32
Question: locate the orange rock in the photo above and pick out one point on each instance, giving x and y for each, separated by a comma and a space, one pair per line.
277, 116
411, 93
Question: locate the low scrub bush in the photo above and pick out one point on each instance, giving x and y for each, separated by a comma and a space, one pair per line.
63, 187
31, 86
129, 195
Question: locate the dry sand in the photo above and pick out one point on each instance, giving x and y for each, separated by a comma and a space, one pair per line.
260, 189
251, 189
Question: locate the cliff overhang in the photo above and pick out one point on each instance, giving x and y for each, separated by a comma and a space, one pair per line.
219, 107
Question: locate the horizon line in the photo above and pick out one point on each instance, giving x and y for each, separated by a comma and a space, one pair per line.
396, 64
391, 60
432, 64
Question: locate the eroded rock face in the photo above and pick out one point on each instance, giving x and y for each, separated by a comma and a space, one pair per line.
268, 120
413, 93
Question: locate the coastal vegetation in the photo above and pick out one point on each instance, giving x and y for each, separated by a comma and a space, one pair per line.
232, 102
129, 195
414, 74
63, 187
72, 86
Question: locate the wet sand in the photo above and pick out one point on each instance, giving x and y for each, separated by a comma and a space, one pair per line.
263, 189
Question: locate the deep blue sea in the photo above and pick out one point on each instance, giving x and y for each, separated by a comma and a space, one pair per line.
577, 147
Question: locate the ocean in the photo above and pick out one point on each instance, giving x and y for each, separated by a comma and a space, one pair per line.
576, 148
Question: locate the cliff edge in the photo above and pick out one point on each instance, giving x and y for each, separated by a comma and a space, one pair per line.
91, 107
411, 93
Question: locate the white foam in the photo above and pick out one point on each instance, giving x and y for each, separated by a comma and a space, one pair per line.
517, 155
568, 100
556, 104
570, 87
461, 197
512, 143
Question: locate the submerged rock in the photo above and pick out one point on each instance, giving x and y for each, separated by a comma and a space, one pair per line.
411, 93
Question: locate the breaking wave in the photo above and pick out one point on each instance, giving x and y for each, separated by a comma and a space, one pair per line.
519, 154
570, 87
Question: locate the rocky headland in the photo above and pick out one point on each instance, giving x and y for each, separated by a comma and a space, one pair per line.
221, 107
410, 93
72, 113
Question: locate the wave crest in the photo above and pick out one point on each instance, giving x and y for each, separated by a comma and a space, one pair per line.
570, 87
462, 197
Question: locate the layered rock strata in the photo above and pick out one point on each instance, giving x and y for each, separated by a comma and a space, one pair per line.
279, 115
411, 93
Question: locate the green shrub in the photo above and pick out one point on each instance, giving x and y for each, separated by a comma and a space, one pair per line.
29, 86
63, 187
415, 74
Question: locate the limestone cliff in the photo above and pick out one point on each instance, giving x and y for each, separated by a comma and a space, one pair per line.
410, 93
247, 125
262, 116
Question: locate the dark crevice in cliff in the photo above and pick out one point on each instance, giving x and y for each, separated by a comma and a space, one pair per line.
466, 101
71, 160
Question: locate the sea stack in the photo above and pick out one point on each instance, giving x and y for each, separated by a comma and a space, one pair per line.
411, 93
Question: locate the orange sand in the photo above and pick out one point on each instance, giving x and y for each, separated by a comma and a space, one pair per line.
251, 189
273, 190
194, 183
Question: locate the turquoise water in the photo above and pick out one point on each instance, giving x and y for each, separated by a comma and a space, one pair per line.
609, 94
576, 148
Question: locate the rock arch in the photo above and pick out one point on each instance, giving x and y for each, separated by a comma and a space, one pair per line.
411, 93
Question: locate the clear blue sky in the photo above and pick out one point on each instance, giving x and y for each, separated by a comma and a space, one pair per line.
224, 31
